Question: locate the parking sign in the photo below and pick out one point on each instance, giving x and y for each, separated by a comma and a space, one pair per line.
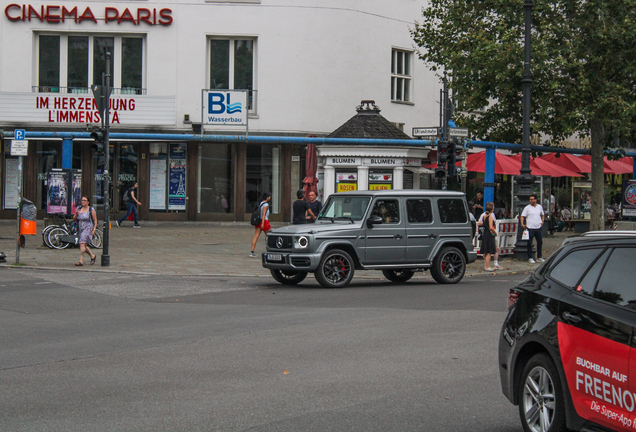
19, 134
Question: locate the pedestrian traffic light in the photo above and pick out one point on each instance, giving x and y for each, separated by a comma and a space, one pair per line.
99, 136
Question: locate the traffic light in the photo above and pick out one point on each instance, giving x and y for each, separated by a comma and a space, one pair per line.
440, 173
442, 152
99, 136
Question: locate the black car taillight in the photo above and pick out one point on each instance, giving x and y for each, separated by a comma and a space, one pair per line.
513, 296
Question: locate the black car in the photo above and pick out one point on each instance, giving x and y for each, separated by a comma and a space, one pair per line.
566, 351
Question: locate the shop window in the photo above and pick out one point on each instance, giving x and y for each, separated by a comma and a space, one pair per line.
215, 179
232, 66
46, 152
401, 75
85, 61
127, 165
263, 168
346, 181
380, 179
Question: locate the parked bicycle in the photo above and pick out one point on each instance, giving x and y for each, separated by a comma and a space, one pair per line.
64, 233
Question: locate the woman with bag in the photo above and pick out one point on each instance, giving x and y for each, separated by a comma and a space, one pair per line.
489, 238
264, 225
86, 218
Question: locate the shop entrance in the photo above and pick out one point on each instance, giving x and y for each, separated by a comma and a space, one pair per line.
123, 167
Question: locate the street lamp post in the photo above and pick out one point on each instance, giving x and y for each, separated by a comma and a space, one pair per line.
525, 179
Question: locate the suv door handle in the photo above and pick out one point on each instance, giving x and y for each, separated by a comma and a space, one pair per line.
432, 235
572, 318
398, 236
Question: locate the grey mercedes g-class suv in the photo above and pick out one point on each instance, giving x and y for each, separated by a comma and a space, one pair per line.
397, 231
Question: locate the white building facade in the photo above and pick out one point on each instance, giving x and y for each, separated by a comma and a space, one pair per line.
305, 65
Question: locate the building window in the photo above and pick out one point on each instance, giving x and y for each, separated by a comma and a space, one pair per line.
49, 61
401, 75
232, 66
84, 58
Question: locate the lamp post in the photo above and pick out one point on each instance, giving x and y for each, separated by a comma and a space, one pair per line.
525, 179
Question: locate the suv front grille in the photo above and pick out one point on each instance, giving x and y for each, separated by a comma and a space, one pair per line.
273, 242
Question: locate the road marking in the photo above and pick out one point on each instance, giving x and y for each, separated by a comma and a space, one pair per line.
42, 283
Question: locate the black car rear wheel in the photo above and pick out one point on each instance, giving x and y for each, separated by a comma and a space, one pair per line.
398, 276
335, 270
541, 405
449, 266
288, 277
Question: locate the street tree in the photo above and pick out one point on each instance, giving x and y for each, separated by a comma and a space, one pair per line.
583, 70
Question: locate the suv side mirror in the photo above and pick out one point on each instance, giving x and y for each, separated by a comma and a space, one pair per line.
374, 220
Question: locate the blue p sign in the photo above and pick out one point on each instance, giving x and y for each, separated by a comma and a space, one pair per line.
19, 134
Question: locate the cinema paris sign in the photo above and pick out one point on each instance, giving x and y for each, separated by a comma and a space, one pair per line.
54, 14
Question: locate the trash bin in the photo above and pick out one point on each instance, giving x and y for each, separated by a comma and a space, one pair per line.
28, 218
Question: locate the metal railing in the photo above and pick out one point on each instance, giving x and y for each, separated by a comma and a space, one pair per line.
86, 90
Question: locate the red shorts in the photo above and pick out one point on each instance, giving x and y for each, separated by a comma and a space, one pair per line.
266, 226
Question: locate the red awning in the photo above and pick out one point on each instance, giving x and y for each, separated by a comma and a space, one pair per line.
543, 165
611, 167
569, 161
476, 162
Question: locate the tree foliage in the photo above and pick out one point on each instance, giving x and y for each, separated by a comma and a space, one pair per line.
583, 68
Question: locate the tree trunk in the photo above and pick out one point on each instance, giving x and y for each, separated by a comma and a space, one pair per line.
597, 222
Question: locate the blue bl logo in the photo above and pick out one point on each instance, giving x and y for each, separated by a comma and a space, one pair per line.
218, 103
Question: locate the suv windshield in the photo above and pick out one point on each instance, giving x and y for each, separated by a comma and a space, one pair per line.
349, 208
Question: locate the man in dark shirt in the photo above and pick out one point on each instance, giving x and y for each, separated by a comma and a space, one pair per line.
476, 206
315, 206
301, 209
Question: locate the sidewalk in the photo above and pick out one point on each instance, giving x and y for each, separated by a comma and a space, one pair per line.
191, 248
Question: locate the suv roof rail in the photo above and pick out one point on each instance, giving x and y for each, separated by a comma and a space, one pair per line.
609, 234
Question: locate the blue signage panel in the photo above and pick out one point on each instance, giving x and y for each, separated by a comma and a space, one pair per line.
19, 134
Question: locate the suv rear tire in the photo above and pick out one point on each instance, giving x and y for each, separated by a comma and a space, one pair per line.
541, 396
398, 276
288, 277
335, 270
449, 266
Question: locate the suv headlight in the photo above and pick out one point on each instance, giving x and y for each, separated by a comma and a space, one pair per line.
302, 242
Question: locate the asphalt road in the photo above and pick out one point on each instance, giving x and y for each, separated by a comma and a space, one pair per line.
111, 352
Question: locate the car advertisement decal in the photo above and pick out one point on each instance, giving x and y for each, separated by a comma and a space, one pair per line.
596, 372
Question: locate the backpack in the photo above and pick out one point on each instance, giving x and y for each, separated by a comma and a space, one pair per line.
257, 216
126, 196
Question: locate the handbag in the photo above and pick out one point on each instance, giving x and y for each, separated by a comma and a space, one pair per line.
525, 235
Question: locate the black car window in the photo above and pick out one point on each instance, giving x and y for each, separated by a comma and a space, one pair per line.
419, 210
570, 269
452, 210
587, 285
388, 210
616, 284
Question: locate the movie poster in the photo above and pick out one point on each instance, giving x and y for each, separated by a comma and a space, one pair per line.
77, 190
57, 192
177, 177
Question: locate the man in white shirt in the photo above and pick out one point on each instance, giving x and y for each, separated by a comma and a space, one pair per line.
532, 219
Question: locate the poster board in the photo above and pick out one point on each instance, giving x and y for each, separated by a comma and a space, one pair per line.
11, 182
158, 171
628, 206
177, 177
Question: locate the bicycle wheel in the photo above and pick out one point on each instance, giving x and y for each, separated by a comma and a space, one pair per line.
45, 234
54, 238
97, 242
